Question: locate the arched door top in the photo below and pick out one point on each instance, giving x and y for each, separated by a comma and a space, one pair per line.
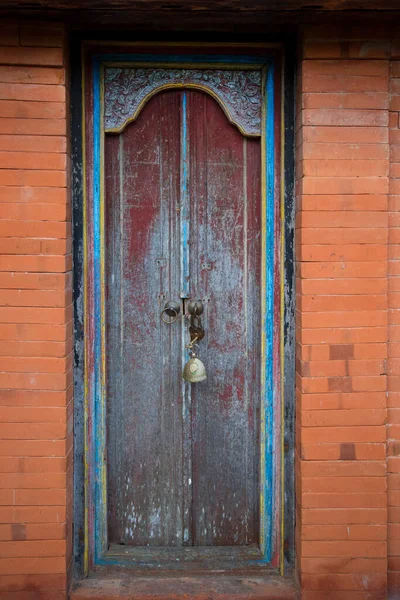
126, 91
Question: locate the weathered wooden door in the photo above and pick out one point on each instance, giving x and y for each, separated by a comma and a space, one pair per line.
183, 221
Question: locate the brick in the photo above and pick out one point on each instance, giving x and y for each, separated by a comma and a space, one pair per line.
19, 109
315, 320
343, 117
40, 195
32, 415
47, 581
331, 451
41, 497
340, 151
329, 167
324, 582
35, 92
33, 514
31, 75
323, 485
32, 160
343, 68
36, 264
10, 464
35, 281
348, 101
33, 246
33, 178
14, 566
342, 286
342, 269
343, 500
352, 135
345, 185
349, 302
35, 364
33, 448
343, 565
342, 336
34, 381
343, 469
341, 352
32, 229
349, 516
362, 219
344, 532
39, 349
35, 398
33, 531
348, 84
54, 316
31, 143
19, 483
343, 434
10, 126
332, 418
31, 56
34, 331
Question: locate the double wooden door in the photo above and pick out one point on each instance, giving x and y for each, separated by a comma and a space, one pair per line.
183, 221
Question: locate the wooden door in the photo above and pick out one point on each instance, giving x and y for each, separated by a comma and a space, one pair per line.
183, 220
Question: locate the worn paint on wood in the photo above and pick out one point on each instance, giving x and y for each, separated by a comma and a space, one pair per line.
97, 394
237, 91
183, 468
144, 402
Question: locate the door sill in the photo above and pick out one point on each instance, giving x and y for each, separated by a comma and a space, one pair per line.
193, 558
113, 585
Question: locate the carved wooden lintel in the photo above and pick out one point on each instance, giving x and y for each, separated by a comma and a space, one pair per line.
128, 89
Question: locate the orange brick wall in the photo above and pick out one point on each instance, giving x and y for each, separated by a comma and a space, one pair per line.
347, 246
35, 315
393, 428
342, 318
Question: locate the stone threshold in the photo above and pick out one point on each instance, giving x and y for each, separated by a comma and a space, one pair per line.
184, 587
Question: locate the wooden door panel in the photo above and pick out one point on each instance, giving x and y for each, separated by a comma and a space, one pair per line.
225, 271
183, 460
143, 354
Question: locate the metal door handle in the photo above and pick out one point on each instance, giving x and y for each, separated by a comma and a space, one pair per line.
170, 312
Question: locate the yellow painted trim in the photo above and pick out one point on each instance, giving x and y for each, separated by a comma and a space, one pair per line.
196, 86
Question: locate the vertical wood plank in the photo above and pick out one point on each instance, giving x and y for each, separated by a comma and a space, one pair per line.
144, 354
225, 271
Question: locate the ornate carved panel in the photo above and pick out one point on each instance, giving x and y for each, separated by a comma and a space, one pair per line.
128, 89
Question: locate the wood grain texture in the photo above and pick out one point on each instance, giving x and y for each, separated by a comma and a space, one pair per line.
225, 272
183, 464
144, 368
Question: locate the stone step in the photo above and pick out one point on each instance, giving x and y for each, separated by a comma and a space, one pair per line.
189, 587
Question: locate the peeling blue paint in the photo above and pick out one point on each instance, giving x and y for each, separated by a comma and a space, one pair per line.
185, 203
97, 402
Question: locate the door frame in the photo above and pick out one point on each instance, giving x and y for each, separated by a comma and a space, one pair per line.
276, 507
